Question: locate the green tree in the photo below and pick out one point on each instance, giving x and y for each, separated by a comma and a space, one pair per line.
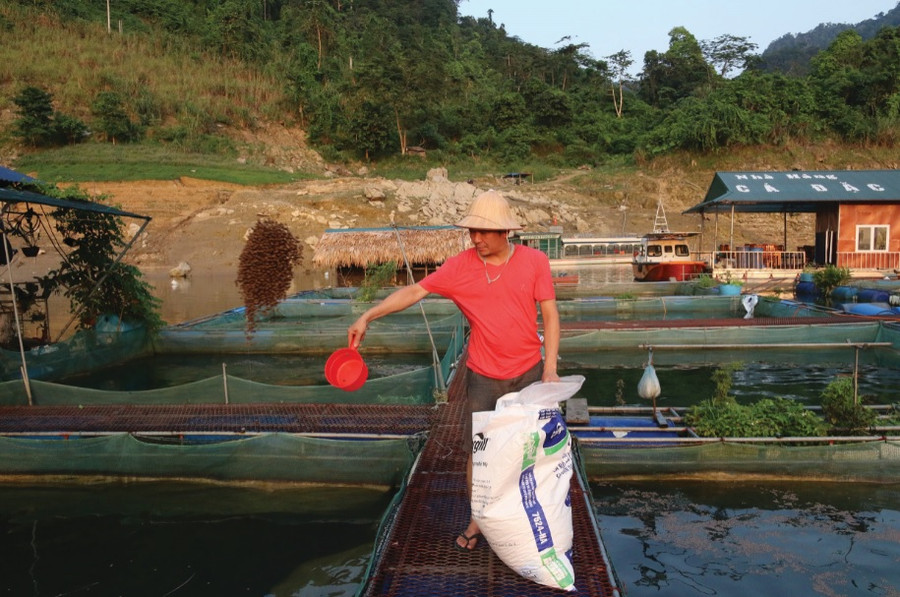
619, 64
782, 107
728, 52
38, 125
858, 84
317, 20
112, 119
679, 72
509, 111
372, 129
35, 122
552, 109
235, 28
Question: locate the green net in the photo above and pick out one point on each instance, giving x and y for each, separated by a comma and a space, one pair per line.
872, 461
418, 386
701, 336
415, 387
84, 351
661, 307
267, 457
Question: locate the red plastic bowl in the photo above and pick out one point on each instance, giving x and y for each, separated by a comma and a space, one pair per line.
345, 369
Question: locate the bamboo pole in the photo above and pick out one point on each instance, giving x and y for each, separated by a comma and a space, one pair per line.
772, 345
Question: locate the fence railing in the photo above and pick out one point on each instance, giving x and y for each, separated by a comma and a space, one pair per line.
794, 260
889, 260
755, 259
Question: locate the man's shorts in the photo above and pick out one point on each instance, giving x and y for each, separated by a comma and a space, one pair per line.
483, 393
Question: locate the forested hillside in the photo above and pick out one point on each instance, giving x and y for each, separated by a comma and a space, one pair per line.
793, 53
367, 79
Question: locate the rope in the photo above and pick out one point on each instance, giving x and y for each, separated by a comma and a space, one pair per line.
436, 361
773, 345
12, 293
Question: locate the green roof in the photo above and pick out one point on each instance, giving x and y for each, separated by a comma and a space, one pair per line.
797, 191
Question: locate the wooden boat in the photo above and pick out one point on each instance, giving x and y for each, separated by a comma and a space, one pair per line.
623, 427
666, 256
565, 279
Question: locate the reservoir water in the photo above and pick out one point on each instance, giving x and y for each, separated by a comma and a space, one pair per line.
685, 539
206, 540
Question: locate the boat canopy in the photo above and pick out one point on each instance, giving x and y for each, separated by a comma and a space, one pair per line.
797, 191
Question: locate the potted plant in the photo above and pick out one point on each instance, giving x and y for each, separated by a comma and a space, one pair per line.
730, 286
705, 284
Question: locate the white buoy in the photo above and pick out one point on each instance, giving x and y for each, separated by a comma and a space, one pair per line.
648, 387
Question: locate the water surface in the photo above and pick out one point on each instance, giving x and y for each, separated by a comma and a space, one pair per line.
735, 539
169, 538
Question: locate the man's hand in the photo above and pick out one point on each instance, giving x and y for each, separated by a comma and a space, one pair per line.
549, 375
357, 332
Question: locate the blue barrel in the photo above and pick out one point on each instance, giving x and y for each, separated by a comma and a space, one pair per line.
805, 288
844, 294
871, 295
868, 309
806, 277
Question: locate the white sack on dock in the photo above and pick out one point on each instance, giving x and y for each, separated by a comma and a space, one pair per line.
521, 472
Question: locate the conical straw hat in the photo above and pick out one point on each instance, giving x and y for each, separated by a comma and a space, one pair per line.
490, 211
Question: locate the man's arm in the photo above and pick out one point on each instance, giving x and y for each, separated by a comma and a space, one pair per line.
396, 301
550, 315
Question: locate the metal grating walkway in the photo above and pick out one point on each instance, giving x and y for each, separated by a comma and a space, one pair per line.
320, 419
417, 556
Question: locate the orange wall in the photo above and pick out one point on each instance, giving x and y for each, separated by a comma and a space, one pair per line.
854, 214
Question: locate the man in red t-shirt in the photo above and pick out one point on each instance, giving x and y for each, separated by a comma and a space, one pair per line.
497, 286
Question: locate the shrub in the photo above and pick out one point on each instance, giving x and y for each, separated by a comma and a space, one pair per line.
830, 277
377, 277
705, 281
844, 412
770, 417
92, 276
722, 379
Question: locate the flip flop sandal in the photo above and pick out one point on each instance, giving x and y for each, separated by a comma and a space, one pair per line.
477, 537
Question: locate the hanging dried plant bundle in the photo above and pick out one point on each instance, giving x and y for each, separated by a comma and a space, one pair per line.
266, 268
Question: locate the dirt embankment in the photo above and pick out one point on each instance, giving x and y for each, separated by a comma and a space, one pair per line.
205, 223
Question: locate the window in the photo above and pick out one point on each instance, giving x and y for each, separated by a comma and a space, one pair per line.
872, 238
654, 250
682, 250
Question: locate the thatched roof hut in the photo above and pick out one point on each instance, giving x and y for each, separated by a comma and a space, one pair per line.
359, 247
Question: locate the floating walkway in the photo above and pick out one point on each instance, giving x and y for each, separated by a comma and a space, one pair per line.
415, 554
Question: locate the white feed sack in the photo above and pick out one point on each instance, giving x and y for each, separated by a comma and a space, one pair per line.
521, 472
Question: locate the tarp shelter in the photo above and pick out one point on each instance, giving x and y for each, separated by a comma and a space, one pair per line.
7, 175
10, 198
15, 196
819, 192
